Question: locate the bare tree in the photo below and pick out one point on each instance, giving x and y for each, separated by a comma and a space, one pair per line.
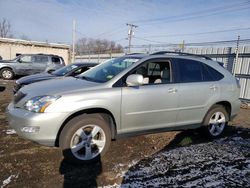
97, 46
5, 28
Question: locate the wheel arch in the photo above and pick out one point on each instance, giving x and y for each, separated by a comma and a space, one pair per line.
8, 67
106, 115
225, 104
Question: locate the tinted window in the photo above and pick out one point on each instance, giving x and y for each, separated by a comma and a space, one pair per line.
66, 69
211, 74
40, 59
190, 71
106, 71
56, 60
79, 71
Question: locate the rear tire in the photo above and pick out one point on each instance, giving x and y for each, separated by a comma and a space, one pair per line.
7, 74
85, 138
215, 121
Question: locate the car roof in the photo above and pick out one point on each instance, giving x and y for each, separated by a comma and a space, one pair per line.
170, 54
42, 54
84, 64
136, 55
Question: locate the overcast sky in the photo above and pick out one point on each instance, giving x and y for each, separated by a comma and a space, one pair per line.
159, 21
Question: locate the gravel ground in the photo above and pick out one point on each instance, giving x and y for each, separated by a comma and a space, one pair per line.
172, 159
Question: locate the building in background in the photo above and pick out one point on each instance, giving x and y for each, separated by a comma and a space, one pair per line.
10, 48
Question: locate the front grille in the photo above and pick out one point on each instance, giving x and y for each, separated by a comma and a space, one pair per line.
18, 96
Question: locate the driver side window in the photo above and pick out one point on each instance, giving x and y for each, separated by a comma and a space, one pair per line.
25, 59
157, 72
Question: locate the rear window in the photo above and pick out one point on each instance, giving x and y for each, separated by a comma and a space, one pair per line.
56, 60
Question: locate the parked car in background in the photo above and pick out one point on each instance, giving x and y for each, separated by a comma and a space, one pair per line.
131, 95
27, 64
69, 70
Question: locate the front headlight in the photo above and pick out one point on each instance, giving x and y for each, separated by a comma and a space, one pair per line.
40, 103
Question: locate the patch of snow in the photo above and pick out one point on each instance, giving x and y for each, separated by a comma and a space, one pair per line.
237, 138
10, 131
121, 169
221, 163
8, 180
111, 186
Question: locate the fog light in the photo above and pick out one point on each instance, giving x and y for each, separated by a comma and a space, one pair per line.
30, 129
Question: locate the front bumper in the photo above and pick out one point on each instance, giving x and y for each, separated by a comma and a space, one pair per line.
46, 125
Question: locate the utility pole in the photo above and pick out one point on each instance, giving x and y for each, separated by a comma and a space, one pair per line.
236, 55
73, 41
130, 34
183, 46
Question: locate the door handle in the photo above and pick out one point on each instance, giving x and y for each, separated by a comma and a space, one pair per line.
213, 87
172, 90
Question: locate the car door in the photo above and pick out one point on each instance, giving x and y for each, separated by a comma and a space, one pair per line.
23, 65
40, 63
152, 105
196, 91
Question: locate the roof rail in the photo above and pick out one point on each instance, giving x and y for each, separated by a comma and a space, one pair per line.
181, 53
134, 53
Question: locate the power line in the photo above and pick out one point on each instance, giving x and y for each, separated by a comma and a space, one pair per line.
243, 41
199, 33
109, 32
148, 40
200, 16
215, 11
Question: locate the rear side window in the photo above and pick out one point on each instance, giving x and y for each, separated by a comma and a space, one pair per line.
40, 59
56, 60
210, 74
190, 71
195, 71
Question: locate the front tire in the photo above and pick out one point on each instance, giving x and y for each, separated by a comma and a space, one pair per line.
216, 121
85, 138
7, 74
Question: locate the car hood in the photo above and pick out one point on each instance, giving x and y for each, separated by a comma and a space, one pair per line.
58, 86
35, 78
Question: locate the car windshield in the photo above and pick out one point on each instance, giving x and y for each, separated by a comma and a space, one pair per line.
64, 70
106, 71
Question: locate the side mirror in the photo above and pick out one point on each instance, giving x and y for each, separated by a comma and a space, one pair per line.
134, 80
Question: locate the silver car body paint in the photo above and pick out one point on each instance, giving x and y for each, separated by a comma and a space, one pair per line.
134, 109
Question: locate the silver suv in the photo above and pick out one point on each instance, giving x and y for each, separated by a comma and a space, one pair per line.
27, 64
131, 95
